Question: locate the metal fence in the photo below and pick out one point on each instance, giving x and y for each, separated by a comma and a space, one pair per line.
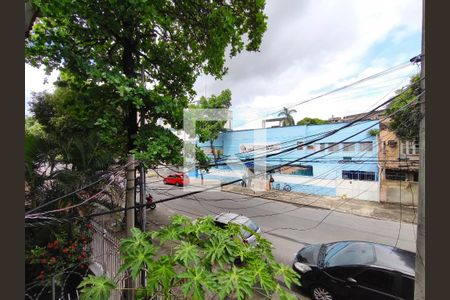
105, 252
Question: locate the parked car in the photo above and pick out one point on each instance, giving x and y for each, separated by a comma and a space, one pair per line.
227, 217
356, 270
178, 179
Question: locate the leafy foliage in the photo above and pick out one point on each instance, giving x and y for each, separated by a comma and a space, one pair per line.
106, 45
311, 121
405, 123
373, 132
208, 131
199, 259
96, 288
50, 250
117, 58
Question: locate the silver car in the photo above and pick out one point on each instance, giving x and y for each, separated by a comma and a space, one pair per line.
228, 217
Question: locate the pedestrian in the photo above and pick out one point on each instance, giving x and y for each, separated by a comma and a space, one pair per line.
244, 180
201, 176
271, 180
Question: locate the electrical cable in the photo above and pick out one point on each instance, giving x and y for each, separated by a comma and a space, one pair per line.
270, 170
78, 190
392, 69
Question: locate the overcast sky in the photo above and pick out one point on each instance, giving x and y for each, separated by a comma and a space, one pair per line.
312, 47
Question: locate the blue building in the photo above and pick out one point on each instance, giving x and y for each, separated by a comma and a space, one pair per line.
307, 159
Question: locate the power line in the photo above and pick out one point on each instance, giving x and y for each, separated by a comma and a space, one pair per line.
238, 180
326, 135
392, 69
103, 177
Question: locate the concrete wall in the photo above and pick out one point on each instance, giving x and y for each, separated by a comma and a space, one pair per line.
355, 189
392, 191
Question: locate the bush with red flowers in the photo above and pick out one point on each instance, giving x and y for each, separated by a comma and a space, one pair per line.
60, 253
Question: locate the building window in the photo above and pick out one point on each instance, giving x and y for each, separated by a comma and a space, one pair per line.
303, 171
333, 147
300, 145
358, 175
365, 146
394, 175
409, 148
349, 147
400, 175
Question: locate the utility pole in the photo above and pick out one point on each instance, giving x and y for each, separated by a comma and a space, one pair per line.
130, 284
142, 187
142, 167
419, 286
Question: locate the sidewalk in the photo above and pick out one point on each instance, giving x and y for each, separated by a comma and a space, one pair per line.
371, 209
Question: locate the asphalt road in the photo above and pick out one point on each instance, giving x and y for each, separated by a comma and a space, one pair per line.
287, 226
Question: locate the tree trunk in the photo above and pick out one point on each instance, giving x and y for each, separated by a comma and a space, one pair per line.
30, 17
213, 151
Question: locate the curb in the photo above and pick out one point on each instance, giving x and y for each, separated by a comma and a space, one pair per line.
321, 207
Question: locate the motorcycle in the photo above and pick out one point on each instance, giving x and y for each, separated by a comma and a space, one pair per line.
149, 202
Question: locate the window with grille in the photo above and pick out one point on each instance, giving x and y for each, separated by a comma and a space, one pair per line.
365, 146
409, 147
333, 148
349, 147
358, 175
395, 175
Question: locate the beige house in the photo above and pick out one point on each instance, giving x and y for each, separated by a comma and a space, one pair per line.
399, 168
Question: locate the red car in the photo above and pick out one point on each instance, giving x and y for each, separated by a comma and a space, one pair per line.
177, 179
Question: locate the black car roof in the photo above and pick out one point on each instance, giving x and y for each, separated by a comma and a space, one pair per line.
388, 257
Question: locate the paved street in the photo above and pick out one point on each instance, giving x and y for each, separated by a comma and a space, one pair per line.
287, 226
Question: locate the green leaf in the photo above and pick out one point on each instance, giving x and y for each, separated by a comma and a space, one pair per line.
169, 233
187, 253
137, 259
220, 249
161, 273
138, 242
262, 273
289, 275
236, 282
96, 288
197, 281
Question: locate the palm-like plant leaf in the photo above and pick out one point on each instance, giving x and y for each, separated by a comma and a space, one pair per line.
163, 269
220, 249
139, 241
96, 288
138, 259
197, 281
236, 282
289, 275
261, 272
187, 253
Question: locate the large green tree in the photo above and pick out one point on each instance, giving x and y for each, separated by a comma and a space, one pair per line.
311, 121
208, 131
114, 46
406, 121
